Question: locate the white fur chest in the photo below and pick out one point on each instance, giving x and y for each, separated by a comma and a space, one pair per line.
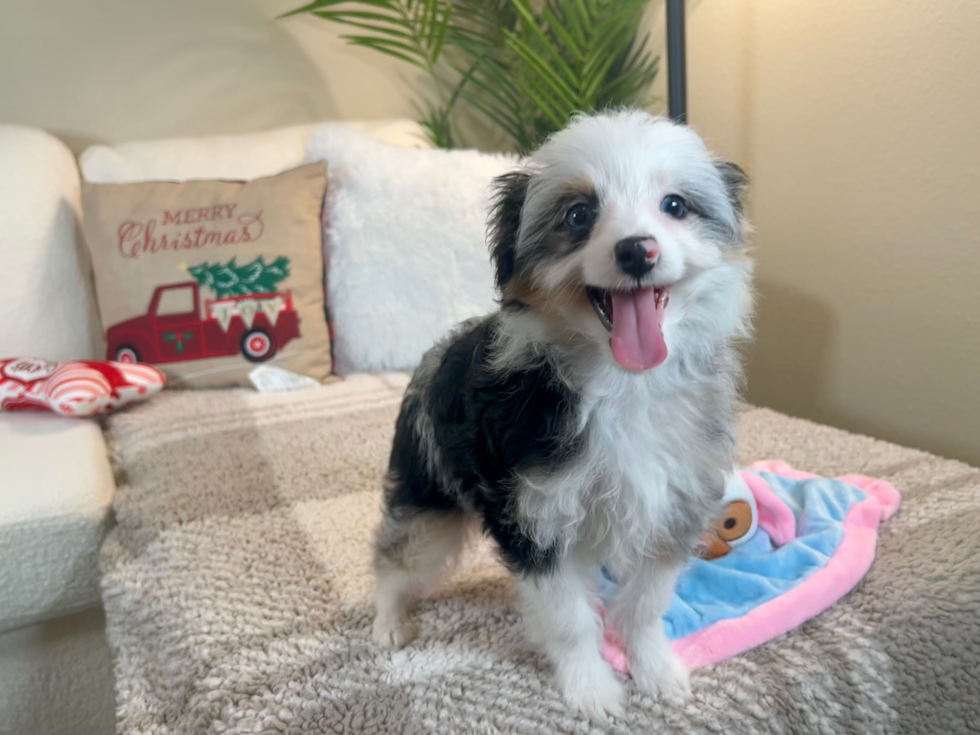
639, 437
637, 485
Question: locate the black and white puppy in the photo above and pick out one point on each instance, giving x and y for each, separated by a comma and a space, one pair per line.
591, 420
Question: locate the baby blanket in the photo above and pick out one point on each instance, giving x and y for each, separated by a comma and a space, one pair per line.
814, 540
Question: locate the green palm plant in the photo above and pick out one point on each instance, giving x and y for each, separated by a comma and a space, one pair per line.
524, 67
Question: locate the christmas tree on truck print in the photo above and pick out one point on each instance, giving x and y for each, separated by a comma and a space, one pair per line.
247, 315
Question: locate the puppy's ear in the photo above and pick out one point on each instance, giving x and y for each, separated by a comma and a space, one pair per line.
509, 191
736, 184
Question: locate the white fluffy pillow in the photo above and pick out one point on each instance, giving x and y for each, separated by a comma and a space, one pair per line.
233, 157
405, 245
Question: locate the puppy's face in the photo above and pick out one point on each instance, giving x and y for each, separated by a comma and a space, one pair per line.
611, 224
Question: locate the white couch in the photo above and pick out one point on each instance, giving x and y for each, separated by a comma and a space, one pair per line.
56, 482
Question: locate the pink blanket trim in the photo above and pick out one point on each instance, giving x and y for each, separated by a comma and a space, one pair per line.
823, 588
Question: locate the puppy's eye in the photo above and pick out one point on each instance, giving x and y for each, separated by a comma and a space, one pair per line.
579, 216
674, 205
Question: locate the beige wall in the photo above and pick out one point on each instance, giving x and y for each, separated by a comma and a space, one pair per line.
859, 123
118, 70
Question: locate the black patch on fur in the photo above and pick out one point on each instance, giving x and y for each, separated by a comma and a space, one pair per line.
489, 427
722, 219
505, 218
554, 238
736, 184
413, 488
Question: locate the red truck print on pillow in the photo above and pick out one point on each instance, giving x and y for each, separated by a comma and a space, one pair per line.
248, 317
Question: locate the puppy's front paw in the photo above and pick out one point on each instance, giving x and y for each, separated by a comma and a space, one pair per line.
396, 633
593, 690
661, 675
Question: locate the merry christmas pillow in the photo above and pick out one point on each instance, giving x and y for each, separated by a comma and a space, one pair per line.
207, 279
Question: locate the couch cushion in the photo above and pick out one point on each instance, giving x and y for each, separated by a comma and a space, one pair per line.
55, 494
46, 305
235, 157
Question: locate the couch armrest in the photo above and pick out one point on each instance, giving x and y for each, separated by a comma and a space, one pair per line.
56, 491
47, 307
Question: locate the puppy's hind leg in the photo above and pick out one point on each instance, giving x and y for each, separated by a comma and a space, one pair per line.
414, 550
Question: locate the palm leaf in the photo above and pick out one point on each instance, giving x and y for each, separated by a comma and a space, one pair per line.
320, 4
494, 82
549, 79
514, 129
373, 27
525, 66
576, 17
557, 26
342, 16
397, 50
534, 26
436, 124
440, 35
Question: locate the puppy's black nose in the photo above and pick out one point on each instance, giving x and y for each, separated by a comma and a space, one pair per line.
636, 256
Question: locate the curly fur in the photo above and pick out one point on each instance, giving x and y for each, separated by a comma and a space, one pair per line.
524, 422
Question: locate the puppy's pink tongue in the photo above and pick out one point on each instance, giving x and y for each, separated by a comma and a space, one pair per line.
638, 337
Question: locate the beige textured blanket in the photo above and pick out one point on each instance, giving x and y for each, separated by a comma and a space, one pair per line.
237, 587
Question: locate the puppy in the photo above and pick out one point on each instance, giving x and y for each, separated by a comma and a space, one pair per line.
591, 419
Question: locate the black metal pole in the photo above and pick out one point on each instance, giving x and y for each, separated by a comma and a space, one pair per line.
676, 62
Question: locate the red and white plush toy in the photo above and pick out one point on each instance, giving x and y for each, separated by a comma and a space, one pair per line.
74, 388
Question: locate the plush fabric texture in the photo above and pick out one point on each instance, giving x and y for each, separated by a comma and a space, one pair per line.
204, 279
75, 388
405, 237
231, 157
47, 305
762, 589
238, 591
56, 677
737, 522
56, 486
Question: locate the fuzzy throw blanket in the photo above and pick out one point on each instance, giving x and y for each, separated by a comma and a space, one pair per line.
237, 589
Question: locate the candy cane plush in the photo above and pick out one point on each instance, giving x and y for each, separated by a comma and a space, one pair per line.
77, 388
